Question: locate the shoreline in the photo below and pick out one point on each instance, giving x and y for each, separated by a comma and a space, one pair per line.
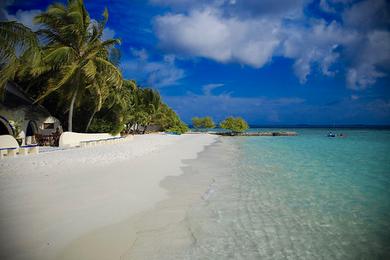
68, 196
163, 231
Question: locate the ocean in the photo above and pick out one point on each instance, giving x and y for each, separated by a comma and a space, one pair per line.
302, 197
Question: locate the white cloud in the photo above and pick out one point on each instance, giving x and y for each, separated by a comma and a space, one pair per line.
362, 76
252, 32
371, 53
315, 45
140, 54
108, 33
208, 34
153, 73
25, 17
368, 14
207, 89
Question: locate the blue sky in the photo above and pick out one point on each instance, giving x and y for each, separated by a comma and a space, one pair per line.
269, 61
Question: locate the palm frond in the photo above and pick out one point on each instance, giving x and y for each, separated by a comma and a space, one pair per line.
115, 76
13, 33
67, 73
59, 56
8, 72
89, 70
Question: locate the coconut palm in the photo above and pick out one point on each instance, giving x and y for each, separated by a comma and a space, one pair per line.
75, 53
99, 92
120, 103
18, 47
148, 106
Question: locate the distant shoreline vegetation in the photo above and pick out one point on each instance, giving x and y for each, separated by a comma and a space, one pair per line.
326, 126
352, 126
74, 73
235, 125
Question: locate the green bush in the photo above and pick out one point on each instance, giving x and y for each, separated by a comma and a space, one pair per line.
203, 122
180, 128
235, 124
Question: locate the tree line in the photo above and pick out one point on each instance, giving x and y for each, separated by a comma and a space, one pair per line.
234, 124
68, 67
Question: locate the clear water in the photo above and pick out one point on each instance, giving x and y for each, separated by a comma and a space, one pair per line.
304, 197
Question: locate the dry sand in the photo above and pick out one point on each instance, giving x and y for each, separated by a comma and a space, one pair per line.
63, 204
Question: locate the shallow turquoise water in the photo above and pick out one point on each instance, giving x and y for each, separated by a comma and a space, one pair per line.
304, 197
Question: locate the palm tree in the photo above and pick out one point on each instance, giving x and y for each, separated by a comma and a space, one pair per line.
75, 53
16, 38
149, 104
99, 91
120, 102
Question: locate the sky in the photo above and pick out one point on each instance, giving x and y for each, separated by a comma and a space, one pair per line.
272, 62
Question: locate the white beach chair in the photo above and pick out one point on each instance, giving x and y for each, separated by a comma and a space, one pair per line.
9, 147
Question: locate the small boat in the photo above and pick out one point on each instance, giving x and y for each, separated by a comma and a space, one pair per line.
330, 134
172, 133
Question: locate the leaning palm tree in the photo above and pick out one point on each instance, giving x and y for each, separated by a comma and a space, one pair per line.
75, 53
149, 102
118, 105
98, 92
19, 49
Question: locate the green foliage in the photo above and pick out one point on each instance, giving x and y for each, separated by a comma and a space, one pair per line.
205, 122
235, 124
17, 127
18, 47
107, 121
179, 129
208, 122
100, 125
74, 73
76, 56
197, 122
169, 121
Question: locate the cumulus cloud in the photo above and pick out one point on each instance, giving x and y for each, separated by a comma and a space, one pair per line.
369, 55
368, 14
251, 32
159, 73
208, 34
25, 17
316, 44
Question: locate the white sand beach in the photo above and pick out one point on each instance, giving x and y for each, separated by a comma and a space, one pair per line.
52, 199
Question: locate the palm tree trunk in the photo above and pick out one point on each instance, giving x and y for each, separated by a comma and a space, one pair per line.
70, 116
90, 120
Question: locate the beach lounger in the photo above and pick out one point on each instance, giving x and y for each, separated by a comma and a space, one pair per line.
9, 147
29, 149
111, 140
9, 152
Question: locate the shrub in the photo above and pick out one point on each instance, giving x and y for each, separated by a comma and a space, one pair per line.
203, 122
235, 124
